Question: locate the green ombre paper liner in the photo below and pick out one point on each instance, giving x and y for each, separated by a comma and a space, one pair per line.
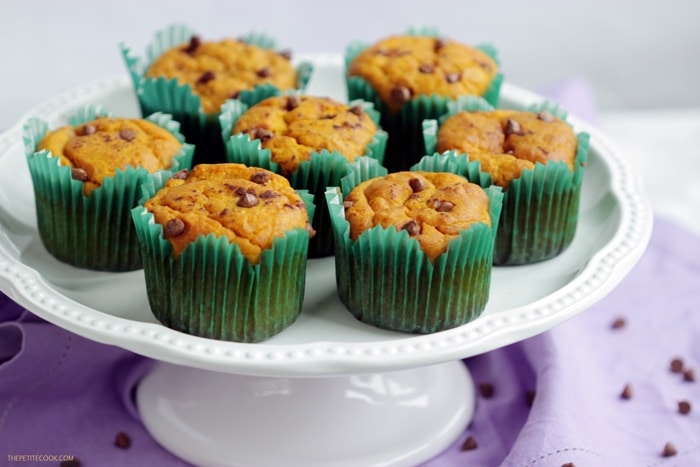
540, 208
323, 169
167, 95
211, 290
384, 279
94, 231
405, 145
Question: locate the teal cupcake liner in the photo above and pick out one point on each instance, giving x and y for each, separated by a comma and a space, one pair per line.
406, 144
167, 95
540, 208
211, 290
323, 169
95, 231
384, 279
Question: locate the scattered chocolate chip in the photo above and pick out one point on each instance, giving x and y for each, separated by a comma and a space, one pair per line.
626, 392
248, 200
292, 102
412, 227
444, 206
260, 178
180, 174
79, 174
238, 190
174, 227
486, 390
122, 440
74, 462
669, 450
469, 444
263, 72
206, 77
417, 184
426, 68
689, 375
530, 398
286, 53
193, 45
127, 134
453, 77
263, 134
267, 194
684, 407
513, 128
87, 129
223, 212
618, 323
677, 365
546, 116
440, 43
400, 94
356, 110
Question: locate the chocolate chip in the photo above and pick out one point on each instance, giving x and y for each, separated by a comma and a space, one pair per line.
400, 94
357, 110
513, 128
74, 462
263, 134
684, 407
440, 43
87, 129
260, 178
677, 365
412, 228
292, 103
79, 174
127, 134
669, 450
174, 227
286, 53
238, 190
546, 116
248, 200
417, 184
469, 444
486, 390
626, 392
453, 77
618, 323
689, 375
263, 72
444, 206
426, 68
122, 440
180, 174
193, 45
206, 77
267, 194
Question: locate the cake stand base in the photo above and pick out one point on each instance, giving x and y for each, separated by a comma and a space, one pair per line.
394, 418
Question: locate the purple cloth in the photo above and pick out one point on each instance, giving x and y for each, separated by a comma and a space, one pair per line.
61, 394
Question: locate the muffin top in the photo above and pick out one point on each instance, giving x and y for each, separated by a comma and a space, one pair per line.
506, 142
403, 67
220, 70
96, 149
293, 127
433, 207
247, 205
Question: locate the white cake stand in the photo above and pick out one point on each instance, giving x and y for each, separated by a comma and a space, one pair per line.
329, 390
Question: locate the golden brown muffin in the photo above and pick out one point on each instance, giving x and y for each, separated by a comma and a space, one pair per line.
96, 149
220, 70
403, 67
506, 142
247, 205
434, 207
293, 127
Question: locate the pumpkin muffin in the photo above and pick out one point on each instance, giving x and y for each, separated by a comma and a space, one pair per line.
534, 155
410, 77
414, 249
224, 249
308, 139
87, 176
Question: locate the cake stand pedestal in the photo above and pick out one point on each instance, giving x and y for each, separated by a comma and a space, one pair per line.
397, 418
